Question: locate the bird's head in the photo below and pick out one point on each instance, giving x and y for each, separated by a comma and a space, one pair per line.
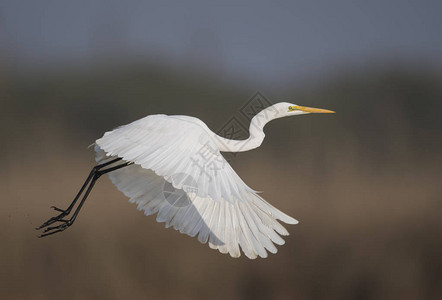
285, 109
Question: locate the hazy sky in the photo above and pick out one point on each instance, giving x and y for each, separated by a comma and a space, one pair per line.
266, 41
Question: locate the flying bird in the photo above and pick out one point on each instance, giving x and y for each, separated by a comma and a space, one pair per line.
172, 166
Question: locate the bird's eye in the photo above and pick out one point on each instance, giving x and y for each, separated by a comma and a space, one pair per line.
291, 108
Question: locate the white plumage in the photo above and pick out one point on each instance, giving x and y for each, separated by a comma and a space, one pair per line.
209, 199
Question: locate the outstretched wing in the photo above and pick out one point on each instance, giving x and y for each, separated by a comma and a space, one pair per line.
180, 173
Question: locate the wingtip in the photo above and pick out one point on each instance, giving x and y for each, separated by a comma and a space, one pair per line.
289, 220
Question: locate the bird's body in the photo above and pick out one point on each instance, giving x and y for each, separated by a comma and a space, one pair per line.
220, 208
172, 166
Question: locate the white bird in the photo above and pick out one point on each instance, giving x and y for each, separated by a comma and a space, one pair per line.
172, 165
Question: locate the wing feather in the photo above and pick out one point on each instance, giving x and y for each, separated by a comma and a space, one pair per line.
213, 226
203, 236
234, 243
245, 240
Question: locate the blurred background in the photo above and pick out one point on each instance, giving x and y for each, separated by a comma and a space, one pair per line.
365, 183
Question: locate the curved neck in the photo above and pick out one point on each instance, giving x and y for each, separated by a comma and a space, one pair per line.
256, 133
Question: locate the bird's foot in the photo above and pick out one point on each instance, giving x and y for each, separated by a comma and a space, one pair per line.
58, 209
54, 229
63, 213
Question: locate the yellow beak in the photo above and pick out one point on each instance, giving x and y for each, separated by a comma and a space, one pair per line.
314, 110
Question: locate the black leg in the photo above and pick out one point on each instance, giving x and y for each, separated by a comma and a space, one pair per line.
94, 175
68, 210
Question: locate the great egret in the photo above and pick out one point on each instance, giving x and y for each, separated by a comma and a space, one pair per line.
172, 165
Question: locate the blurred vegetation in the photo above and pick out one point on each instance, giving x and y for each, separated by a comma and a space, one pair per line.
384, 106
365, 184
